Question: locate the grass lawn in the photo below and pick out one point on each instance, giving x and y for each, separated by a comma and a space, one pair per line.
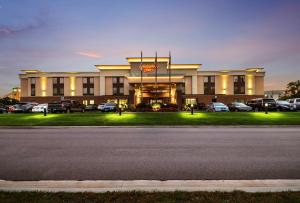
154, 118
159, 197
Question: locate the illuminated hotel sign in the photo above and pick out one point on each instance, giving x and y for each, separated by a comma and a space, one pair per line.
147, 68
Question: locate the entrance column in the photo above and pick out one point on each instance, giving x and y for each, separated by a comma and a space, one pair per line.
102, 85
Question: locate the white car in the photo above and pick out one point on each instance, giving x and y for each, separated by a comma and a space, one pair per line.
106, 107
101, 106
40, 108
295, 104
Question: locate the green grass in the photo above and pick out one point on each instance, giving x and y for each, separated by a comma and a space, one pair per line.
158, 197
173, 118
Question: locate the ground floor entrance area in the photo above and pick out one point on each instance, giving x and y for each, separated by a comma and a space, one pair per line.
150, 96
154, 93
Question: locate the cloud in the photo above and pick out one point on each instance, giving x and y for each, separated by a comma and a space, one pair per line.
90, 54
38, 22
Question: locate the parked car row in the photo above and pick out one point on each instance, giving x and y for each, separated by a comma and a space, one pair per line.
65, 106
252, 105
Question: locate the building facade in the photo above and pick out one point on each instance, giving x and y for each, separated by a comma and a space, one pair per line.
148, 80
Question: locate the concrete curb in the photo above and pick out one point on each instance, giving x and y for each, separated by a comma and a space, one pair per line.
154, 126
152, 185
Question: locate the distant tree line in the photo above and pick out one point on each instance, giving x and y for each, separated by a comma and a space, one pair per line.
292, 90
8, 101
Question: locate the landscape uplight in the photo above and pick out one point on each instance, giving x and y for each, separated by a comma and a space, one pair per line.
266, 108
120, 109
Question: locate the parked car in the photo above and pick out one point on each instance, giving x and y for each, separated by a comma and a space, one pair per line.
168, 107
259, 104
295, 104
101, 106
66, 106
91, 107
217, 107
238, 106
201, 106
25, 107
40, 108
109, 107
283, 105
3, 109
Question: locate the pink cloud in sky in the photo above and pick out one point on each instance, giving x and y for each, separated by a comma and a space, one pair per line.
90, 54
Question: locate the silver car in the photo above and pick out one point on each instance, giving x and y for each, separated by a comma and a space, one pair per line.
217, 107
295, 104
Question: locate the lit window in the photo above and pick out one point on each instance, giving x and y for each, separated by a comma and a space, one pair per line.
92, 102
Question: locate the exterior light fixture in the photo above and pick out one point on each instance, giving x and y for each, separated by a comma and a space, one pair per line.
192, 109
266, 108
120, 109
45, 112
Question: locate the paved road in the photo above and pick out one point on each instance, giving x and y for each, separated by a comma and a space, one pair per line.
149, 153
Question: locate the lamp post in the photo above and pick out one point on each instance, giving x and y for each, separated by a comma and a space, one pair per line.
266, 108
120, 110
45, 112
192, 109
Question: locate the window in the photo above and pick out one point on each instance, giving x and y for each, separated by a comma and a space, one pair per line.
88, 85
32, 86
118, 85
239, 84
190, 101
209, 85
92, 101
58, 86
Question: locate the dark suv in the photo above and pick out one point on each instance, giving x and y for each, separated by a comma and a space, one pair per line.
260, 104
66, 106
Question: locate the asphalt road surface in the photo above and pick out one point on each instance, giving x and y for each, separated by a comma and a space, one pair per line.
149, 153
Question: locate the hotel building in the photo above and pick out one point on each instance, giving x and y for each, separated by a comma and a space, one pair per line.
149, 81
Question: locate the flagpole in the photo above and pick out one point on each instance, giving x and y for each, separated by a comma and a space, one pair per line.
170, 84
155, 77
141, 68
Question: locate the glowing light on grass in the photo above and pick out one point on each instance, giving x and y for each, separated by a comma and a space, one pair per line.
196, 115
39, 116
117, 117
270, 115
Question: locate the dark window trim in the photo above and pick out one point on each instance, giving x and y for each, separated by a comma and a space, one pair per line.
209, 86
118, 85
32, 87
239, 86
59, 86
89, 85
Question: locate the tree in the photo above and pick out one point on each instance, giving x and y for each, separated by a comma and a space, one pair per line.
8, 101
292, 90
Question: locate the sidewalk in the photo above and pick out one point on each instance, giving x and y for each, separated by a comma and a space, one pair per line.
153, 185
